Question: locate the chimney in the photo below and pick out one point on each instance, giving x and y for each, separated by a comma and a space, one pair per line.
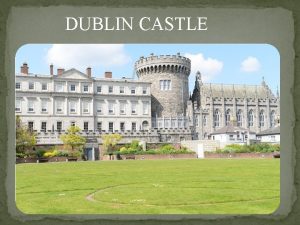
51, 69
108, 75
60, 71
24, 68
89, 71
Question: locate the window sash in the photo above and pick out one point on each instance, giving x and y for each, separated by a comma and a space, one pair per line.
44, 87
18, 106
44, 106
18, 85
31, 86
72, 87
44, 126
85, 88
30, 106
85, 107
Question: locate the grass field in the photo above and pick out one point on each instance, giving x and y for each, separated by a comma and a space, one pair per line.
208, 186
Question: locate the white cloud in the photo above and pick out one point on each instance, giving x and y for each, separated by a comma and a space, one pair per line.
208, 67
80, 56
250, 64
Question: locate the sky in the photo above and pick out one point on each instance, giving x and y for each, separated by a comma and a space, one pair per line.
218, 63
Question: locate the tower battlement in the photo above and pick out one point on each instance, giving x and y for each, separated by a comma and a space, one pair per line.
163, 63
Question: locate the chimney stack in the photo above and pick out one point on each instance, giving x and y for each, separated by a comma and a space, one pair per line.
60, 71
89, 71
51, 69
108, 75
24, 68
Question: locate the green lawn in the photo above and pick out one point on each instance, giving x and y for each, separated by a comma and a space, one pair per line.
193, 186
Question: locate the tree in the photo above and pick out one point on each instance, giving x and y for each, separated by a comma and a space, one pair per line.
73, 139
109, 141
25, 138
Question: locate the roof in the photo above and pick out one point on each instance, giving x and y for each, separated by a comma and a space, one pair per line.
230, 129
237, 90
273, 130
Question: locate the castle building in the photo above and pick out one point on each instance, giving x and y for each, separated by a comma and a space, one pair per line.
50, 103
213, 106
155, 108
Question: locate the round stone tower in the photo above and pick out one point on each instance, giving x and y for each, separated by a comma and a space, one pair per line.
168, 75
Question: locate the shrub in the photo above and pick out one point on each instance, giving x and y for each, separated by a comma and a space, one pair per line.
40, 153
62, 154
261, 148
21, 155
51, 153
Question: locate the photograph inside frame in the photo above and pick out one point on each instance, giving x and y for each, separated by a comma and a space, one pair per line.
147, 128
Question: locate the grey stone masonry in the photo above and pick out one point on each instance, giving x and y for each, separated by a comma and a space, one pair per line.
168, 75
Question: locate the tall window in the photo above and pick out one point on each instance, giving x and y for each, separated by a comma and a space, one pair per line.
43, 126
30, 106
239, 118
227, 116
250, 118
111, 126
59, 87
111, 108
99, 107
261, 118
272, 118
18, 105
144, 90
110, 89
133, 126
59, 106
122, 126
58, 126
145, 108
85, 88
44, 86
73, 107
99, 126
133, 108
165, 85
72, 87
122, 90
217, 118
18, 85
122, 107
85, 126
31, 85
204, 120
30, 126
132, 90
99, 89
85, 107
44, 106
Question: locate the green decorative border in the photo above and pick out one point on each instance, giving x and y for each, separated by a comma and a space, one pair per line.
5, 118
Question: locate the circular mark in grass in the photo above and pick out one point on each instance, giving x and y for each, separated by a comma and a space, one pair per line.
174, 194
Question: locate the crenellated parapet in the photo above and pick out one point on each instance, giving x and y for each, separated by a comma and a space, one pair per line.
163, 63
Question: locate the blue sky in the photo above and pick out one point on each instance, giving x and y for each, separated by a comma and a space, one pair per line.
218, 63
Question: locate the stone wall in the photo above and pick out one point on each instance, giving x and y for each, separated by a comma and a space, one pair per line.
175, 68
208, 145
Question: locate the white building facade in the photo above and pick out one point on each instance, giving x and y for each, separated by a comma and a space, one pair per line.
50, 103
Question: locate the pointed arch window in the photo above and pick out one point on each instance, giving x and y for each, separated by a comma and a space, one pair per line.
239, 118
250, 118
227, 116
261, 118
272, 118
216, 118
